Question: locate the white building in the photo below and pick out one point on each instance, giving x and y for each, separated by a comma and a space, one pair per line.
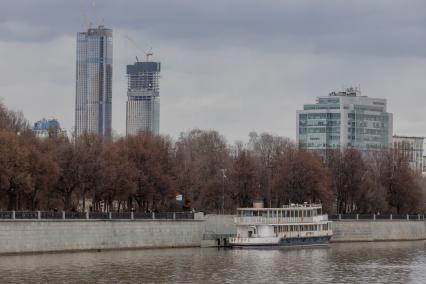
412, 148
94, 82
344, 119
143, 98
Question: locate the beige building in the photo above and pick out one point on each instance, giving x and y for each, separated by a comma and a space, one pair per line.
412, 148
424, 165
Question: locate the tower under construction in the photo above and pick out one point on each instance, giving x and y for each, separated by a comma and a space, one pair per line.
143, 98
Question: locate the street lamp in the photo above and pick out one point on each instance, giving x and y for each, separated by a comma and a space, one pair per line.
223, 189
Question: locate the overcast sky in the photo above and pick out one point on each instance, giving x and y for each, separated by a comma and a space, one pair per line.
234, 66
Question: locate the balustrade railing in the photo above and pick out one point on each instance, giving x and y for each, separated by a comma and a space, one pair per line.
71, 215
390, 217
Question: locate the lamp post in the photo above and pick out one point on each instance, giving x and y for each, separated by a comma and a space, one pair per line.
223, 189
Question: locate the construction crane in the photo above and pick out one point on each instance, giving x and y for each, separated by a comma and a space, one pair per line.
86, 10
148, 53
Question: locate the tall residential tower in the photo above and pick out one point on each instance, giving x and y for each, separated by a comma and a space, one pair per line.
143, 98
344, 119
93, 112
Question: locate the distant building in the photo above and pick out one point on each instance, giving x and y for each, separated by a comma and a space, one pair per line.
94, 82
412, 148
143, 98
424, 165
344, 119
47, 127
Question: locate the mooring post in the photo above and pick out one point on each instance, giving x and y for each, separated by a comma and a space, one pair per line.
38, 215
63, 215
13, 214
110, 215
132, 215
87, 215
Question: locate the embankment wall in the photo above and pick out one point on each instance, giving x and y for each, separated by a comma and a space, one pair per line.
378, 230
50, 235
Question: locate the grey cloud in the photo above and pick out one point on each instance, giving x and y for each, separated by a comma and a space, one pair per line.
370, 27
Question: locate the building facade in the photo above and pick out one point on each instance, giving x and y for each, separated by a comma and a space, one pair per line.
412, 148
344, 119
47, 127
143, 98
424, 165
93, 103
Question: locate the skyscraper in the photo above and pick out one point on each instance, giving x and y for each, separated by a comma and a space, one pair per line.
93, 112
344, 119
143, 98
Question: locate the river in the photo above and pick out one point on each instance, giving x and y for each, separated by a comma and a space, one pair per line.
391, 262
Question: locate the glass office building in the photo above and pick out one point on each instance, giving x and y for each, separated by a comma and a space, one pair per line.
94, 82
143, 98
344, 119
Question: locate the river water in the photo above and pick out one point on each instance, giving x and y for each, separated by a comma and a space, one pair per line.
391, 262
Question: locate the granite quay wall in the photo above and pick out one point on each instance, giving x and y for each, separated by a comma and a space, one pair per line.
378, 230
30, 236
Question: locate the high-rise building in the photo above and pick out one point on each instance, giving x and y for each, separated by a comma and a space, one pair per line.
93, 100
412, 148
143, 98
344, 119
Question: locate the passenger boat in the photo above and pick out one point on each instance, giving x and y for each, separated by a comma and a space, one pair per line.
291, 225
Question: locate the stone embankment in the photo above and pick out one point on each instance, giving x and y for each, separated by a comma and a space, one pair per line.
377, 230
52, 235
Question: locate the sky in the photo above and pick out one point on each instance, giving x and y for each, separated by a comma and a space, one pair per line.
234, 66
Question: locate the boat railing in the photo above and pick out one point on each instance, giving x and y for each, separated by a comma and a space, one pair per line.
307, 205
278, 220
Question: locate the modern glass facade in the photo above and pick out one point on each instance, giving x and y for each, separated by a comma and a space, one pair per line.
93, 111
344, 119
143, 98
